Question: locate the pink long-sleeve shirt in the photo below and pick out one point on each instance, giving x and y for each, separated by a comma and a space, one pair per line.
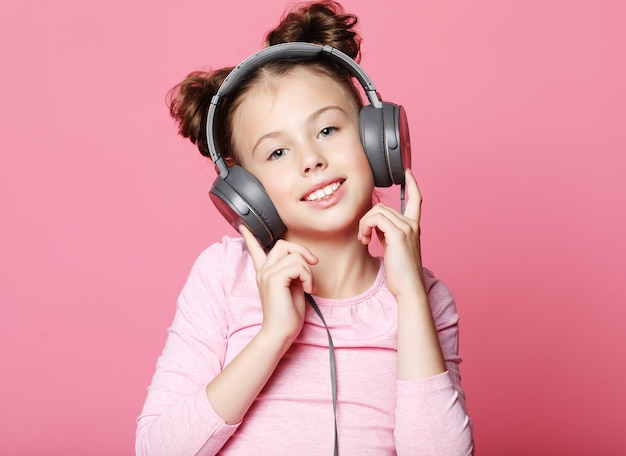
219, 312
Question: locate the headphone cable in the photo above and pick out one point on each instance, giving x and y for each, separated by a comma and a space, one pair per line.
333, 373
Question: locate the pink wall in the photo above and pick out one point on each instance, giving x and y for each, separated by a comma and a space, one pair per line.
518, 113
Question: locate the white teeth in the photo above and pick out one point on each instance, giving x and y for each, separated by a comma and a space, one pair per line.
323, 192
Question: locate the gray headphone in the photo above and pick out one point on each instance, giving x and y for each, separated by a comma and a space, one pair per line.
383, 127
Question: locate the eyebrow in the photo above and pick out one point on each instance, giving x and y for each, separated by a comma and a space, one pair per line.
315, 115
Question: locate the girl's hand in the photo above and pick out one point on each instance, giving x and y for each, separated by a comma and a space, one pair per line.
399, 235
283, 276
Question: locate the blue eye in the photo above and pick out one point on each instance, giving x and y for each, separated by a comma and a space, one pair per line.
278, 153
327, 131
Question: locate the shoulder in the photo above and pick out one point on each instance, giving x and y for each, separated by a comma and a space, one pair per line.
225, 260
221, 271
228, 251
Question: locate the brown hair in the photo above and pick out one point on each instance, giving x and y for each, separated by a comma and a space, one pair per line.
323, 23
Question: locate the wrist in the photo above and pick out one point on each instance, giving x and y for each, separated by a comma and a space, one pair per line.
413, 296
271, 341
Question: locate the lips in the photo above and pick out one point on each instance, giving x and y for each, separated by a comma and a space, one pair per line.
323, 192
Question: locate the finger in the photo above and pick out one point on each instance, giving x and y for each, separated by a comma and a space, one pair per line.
386, 221
284, 248
256, 251
400, 220
286, 270
414, 203
367, 224
299, 272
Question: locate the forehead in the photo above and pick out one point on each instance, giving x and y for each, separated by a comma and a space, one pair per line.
298, 85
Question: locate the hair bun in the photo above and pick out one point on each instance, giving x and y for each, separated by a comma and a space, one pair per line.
189, 103
323, 23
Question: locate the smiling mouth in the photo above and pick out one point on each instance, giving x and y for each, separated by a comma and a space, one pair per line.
323, 192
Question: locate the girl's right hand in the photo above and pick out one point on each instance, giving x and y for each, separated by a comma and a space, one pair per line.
283, 276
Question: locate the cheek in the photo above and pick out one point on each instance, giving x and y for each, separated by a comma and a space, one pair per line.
274, 192
276, 189
359, 161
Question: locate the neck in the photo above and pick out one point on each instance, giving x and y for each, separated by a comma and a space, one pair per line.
345, 267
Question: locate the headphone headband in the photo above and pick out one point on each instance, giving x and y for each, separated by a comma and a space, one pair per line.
283, 51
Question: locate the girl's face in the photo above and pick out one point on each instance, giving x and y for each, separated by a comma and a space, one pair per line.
299, 136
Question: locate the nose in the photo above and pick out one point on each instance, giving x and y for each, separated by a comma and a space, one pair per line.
312, 160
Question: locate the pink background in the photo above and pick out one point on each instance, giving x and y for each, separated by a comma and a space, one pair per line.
518, 117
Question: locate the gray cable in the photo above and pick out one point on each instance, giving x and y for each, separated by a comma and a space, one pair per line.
333, 373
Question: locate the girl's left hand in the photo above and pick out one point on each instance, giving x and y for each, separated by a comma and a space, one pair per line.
399, 235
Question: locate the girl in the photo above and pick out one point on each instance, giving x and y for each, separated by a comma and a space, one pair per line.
245, 366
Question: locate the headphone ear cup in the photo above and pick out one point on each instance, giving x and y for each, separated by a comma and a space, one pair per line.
373, 141
397, 141
385, 138
241, 198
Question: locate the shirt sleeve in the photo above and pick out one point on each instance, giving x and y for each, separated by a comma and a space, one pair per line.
177, 417
431, 416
